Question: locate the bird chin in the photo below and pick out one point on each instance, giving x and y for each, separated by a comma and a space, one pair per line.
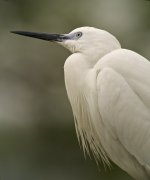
68, 46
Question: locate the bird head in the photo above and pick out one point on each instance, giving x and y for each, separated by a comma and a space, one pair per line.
86, 40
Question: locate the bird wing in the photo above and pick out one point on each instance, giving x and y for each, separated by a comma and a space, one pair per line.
123, 87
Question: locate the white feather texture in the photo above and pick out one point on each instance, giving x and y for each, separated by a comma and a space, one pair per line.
109, 91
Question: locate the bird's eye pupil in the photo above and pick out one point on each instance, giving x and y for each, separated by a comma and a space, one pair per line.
79, 34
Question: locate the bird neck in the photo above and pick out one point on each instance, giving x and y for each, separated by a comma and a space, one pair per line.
76, 67
95, 53
92, 59
80, 85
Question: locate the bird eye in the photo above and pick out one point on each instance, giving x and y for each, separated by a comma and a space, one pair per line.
78, 34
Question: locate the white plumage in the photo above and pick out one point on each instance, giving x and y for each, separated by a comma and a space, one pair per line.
110, 99
109, 91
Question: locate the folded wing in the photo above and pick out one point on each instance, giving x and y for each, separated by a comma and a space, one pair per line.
123, 87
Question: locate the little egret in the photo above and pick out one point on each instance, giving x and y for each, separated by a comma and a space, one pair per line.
109, 91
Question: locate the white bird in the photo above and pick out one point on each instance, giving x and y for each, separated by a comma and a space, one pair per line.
109, 91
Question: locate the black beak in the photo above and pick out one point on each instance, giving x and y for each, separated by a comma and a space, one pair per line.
43, 36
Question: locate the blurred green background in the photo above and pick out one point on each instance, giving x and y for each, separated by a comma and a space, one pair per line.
37, 136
